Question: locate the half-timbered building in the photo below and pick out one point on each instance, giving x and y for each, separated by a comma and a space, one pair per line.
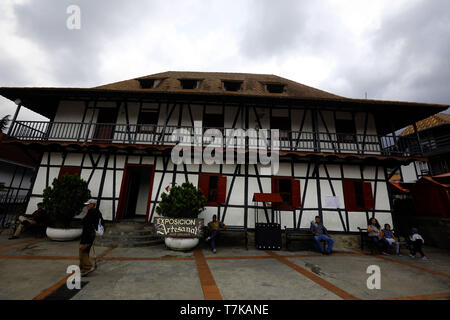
334, 152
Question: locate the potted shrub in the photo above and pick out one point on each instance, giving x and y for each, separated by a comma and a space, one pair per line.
62, 202
182, 203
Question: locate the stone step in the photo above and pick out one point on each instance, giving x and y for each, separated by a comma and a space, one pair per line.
128, 237
129, 244
129, 233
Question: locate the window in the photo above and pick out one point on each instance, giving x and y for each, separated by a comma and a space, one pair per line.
212, 190
71, 170
345, 130
232, 85
147, 120
214, 187
274, 88
289, 189
283, 124
211, 120
358, 195
149, 83
189, 84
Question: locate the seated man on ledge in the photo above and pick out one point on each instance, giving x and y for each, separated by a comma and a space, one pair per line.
214, 229
36, 217
321, 233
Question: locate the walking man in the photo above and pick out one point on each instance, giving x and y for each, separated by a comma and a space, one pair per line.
320, 233
90, 224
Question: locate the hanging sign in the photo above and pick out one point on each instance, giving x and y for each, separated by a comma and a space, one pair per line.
179, 227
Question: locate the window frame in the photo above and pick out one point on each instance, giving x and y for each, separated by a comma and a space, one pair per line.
220, 189
350, 194
71, 170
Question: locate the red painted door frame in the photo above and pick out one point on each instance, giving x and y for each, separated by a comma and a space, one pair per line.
124, 189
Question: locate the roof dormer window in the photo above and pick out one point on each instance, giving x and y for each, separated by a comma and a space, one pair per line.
275, 87
189, 83
149, 83
232, 85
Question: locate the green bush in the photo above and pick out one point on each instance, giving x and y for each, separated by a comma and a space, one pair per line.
185, 201
65, 199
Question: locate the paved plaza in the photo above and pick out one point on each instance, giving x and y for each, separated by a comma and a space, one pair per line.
36, 269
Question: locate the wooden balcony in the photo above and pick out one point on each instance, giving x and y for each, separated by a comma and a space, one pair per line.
163, 135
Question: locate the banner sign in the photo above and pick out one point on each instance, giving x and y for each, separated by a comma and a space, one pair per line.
179, 227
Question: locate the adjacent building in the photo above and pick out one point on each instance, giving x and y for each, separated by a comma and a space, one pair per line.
434, 133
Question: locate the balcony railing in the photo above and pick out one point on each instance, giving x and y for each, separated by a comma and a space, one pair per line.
162, 135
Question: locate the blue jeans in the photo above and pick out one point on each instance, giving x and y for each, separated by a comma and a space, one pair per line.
212, 236
328, 240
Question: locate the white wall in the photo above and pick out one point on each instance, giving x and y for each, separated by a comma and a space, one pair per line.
234, 216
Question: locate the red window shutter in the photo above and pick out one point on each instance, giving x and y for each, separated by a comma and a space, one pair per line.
72, 170
275, 189
203, 184
221, 190
369, 202
295, 189
349, 195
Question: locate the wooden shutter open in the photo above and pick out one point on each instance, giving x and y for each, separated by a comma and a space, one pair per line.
203, 184
221, 189
275, 189
295, 189
349, 195
369, 201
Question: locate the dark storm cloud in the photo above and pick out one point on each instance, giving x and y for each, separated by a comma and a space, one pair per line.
409, 57
75, 54
276, 29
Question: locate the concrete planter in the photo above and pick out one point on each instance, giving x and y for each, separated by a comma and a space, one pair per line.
57, 234
181, 244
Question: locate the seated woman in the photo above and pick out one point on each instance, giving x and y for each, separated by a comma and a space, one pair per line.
374, 233
387, 235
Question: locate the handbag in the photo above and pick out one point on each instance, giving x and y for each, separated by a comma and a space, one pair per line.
100, 229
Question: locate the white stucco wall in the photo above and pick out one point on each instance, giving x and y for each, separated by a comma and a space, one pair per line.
234, 216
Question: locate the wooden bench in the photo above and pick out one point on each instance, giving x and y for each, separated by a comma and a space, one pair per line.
230, 229
303, 236
367, 242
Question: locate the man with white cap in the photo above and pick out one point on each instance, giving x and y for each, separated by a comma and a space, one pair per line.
90, 224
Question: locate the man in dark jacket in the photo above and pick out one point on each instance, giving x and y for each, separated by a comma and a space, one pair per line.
37, 216
321, 233
90, 224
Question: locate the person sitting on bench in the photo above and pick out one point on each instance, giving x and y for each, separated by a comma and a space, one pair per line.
320, 233
36, 217
374, 233
214, 229
388, 237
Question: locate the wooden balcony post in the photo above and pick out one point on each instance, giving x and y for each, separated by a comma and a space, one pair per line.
416, 132
13, 121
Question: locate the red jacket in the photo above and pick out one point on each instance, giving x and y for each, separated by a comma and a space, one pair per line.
38, 215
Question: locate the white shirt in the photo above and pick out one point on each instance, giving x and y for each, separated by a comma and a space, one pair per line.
416, 236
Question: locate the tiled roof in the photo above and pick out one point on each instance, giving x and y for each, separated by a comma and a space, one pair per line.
211, 82
430, 122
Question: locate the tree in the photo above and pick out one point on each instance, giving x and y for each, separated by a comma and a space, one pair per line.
4, 123
65, 199
185, 201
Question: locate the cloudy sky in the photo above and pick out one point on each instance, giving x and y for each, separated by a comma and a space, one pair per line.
393, 50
